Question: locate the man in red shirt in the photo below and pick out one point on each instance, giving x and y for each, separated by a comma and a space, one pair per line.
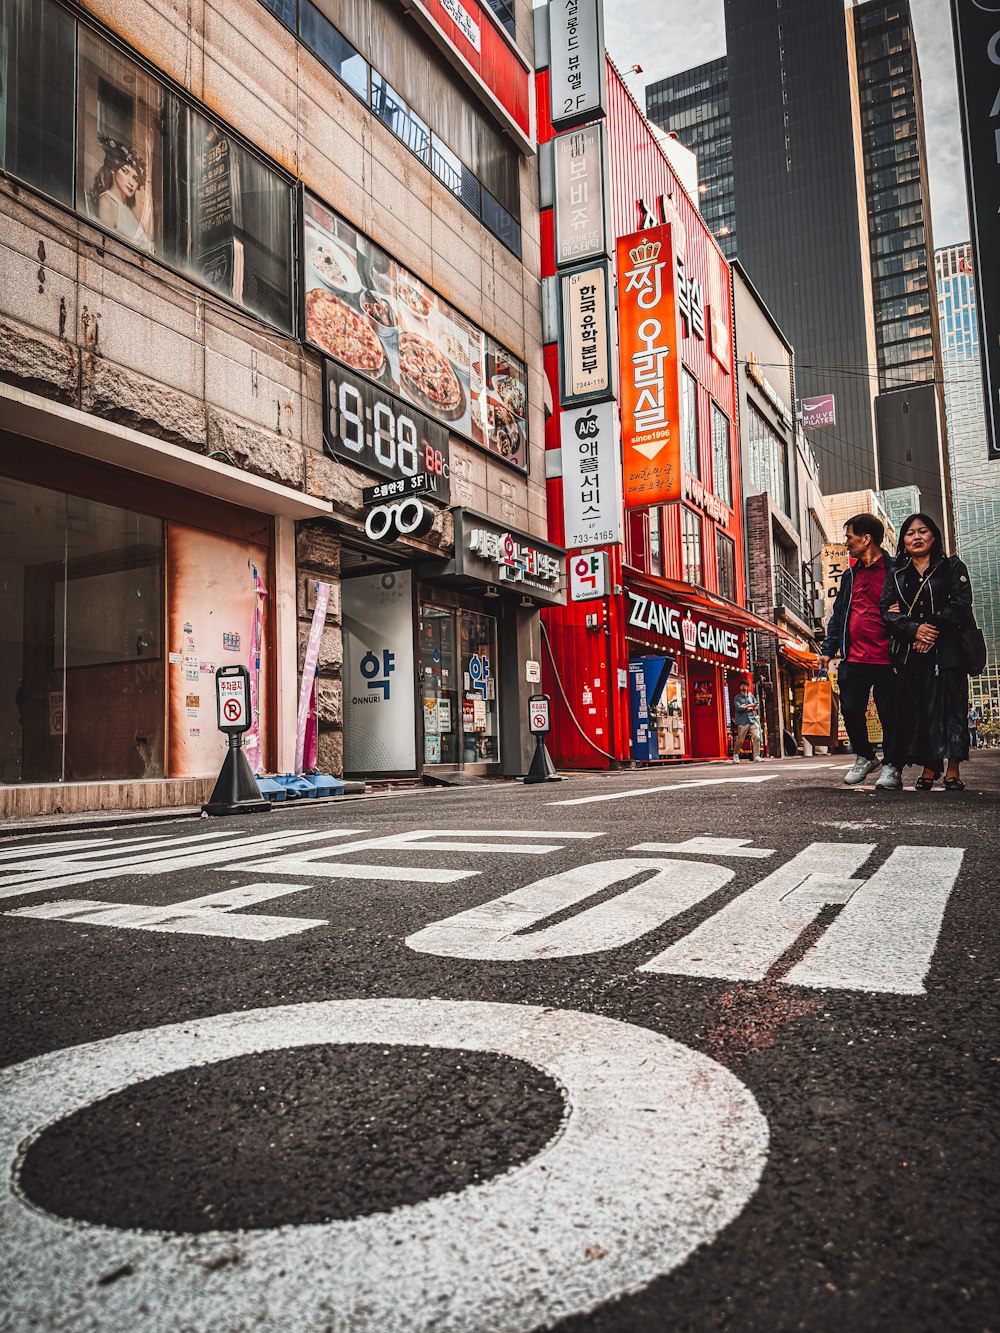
856, 631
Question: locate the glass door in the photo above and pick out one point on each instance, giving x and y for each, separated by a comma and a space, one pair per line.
439, 685
480, 724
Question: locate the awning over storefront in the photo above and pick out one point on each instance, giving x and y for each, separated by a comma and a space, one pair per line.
698, 599
53, 423
796, 650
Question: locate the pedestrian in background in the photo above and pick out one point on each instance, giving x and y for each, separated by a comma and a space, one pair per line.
973, 727
746, 719
926, 604
857, 632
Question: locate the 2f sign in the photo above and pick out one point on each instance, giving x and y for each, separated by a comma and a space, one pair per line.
232, 689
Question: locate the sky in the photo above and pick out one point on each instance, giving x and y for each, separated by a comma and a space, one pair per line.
667, 36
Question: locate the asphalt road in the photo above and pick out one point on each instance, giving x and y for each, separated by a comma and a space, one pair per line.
706, 1048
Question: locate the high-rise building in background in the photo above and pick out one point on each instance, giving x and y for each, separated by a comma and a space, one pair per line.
817, 178
695, 106
977, 496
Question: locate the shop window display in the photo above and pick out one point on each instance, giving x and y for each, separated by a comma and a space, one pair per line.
81, 650
480, 726
439, 685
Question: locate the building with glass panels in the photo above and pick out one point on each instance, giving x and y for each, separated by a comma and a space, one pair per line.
694, 105
246, 303
976, 479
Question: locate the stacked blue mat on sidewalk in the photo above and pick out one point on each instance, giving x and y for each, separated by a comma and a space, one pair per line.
288, 787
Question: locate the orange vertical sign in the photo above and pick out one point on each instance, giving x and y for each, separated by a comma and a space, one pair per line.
649, 351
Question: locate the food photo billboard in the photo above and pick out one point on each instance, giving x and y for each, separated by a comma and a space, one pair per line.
373, 315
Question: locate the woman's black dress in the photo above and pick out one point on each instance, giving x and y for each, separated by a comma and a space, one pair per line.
932, 688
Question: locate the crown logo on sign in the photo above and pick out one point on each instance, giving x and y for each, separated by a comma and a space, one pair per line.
689, 631
644, 253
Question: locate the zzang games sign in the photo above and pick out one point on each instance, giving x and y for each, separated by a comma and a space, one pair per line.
649, 352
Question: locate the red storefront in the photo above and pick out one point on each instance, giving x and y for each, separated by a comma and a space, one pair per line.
676, 581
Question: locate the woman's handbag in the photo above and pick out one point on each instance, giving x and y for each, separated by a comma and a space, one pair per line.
973, 647
820, 712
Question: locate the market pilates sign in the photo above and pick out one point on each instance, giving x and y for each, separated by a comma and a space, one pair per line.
700, 636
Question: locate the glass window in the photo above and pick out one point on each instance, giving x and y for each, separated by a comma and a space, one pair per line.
725, 558
480, 724
689, 423
655, 541
120, 167
501, 223
81, 643
36, 95
721, 460
455, 175
691, 553
401, 119
284, 10
768, 461
335, 51
173, 183
504, 10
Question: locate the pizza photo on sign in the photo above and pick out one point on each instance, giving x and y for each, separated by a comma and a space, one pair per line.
342, 332
428, 376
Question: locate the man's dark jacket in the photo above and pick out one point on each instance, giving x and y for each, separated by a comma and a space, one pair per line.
838, 630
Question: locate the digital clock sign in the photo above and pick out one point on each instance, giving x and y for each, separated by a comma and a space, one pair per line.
374, 430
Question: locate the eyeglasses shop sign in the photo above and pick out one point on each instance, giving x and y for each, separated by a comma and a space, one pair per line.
587, 365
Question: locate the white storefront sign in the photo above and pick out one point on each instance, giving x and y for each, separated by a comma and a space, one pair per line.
581, 220
379, 702
464, 21
591, 475
578, 82
587, 361
588, 576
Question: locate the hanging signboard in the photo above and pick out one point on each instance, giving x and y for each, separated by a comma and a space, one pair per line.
816, 412
649, 350
578, 76
587, 363
582, 224
977, 56
591, 475
652, 619
589, 576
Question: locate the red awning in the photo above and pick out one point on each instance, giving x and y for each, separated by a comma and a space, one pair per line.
797, 650
698, 599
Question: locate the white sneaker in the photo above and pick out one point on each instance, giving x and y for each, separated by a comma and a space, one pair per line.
736, 759
862, 767
758, 758
890, 779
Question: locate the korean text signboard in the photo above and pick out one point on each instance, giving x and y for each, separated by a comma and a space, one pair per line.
589, 576
581, 219
232, 689
649, 350
977, 55
586, 354
539, 715
578, 78
591, 479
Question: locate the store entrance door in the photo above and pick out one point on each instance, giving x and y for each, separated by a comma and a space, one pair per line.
705, 711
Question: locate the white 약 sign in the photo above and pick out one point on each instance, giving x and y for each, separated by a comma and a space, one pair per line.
516, 1252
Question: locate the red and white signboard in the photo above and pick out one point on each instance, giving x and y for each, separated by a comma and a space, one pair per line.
538, 714
233, 698
588, 576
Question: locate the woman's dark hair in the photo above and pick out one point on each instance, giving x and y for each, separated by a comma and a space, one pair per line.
936, 550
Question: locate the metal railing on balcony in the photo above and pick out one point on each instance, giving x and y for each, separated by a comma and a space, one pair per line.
788, 592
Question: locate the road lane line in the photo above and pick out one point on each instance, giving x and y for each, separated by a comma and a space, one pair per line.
673, 786
707, 847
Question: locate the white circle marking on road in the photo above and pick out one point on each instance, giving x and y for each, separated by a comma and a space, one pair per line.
659, 1148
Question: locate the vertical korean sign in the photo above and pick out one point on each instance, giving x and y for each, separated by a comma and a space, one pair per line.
581, 210
649, 352
578, 76
592, 491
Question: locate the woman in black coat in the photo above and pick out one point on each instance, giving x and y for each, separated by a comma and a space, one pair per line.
926, 602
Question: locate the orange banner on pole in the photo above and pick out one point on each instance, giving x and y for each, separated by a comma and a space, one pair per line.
649, 351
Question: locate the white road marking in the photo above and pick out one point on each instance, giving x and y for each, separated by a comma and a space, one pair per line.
672, 786
659, 1149
119, 853
164, 862
318, 862
491, 930
884, 939
747, 936
208, 915
47, 848
706, 847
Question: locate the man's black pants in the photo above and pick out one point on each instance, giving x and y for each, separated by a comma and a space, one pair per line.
857, 680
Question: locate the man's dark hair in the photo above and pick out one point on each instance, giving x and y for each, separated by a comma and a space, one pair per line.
867, 525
